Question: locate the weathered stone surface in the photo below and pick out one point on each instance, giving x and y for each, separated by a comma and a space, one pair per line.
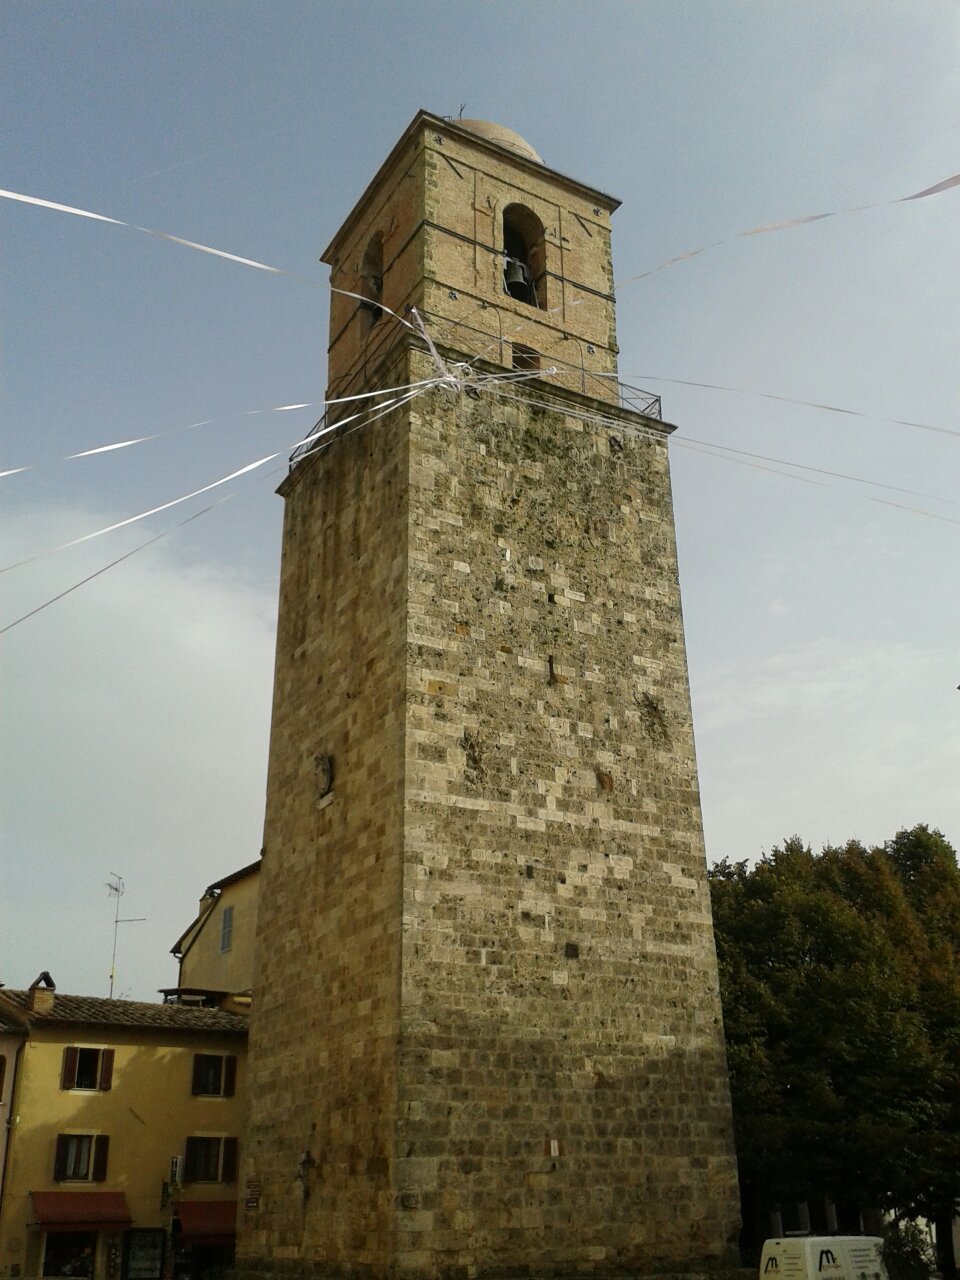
487, 1002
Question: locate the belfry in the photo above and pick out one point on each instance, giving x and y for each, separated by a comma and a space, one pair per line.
486, 1036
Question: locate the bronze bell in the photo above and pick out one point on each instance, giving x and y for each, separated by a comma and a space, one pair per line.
517, 280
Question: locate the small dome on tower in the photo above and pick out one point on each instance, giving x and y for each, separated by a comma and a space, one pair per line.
502, 136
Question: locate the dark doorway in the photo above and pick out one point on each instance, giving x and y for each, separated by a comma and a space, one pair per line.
70, 1253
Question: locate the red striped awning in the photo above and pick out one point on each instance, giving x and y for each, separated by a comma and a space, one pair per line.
90, 1210
207, 1221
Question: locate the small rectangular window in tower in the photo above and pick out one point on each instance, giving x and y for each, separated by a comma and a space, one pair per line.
226, 929
525, 357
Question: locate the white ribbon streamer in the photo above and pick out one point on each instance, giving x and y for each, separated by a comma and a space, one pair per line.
945, 185
160, 235
61, 208
119, 560
206, 422
164, 506
370, 414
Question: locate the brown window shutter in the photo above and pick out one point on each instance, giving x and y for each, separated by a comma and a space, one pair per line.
68, 1073
197, 1075
60, 1159
228, 1167
190, 1161
229, 1075
101, 1148
106, 1069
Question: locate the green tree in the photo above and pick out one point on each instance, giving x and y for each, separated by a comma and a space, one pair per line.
840, 978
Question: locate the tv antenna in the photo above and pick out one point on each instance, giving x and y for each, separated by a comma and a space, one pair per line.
116, 887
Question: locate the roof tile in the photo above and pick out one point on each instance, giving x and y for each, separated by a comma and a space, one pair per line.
125, 1013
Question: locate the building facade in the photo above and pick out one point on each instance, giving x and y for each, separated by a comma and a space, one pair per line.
11, 1046
123, 1138
215, 951
487, 1035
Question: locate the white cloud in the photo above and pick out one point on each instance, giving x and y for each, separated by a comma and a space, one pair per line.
135, 741
832, 739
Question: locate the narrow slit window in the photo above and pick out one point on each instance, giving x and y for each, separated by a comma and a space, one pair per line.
226, 929
371, 279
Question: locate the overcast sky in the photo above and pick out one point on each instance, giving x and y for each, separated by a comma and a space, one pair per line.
821, 615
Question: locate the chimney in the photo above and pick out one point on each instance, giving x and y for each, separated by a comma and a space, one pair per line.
42, 993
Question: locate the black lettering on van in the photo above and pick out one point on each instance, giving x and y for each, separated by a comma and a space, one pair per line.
772, 1265
827, 1259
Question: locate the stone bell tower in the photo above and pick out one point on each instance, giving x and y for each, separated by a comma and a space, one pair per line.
486, 1036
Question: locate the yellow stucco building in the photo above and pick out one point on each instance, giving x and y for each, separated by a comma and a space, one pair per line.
123, 1139
215, 951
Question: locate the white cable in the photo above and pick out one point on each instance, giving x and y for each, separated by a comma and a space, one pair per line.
809, 404
119, 560
690, 442
884, 502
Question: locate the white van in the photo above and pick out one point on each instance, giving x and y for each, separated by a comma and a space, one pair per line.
823, 1258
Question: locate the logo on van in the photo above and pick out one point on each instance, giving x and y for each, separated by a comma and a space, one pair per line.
827, 1259
772, 1265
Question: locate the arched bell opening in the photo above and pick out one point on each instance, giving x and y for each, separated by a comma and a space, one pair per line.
524, 256
371, 278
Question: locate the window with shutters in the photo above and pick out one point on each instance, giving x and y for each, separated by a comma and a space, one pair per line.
81, 1157
214, 1075
86, 1068
210, 1159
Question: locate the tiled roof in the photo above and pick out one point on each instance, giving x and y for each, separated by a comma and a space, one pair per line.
8, 1024
94, 1010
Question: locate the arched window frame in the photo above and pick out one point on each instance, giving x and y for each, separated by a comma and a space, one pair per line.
371, 278
524, 241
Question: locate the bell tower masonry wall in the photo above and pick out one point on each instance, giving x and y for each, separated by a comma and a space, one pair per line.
486, 1037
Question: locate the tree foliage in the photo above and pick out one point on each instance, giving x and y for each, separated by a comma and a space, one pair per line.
840, 978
